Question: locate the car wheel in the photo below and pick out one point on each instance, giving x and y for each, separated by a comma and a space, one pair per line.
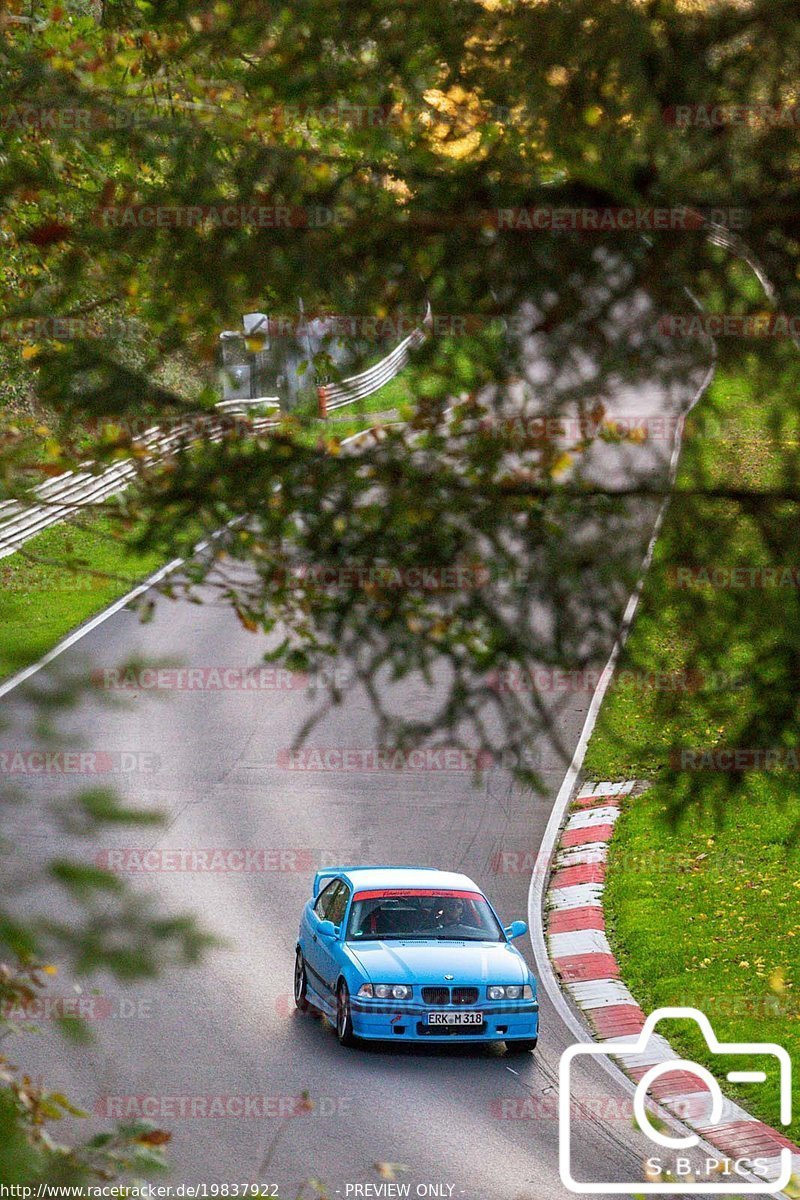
344, 1020
300, 983
521, 1045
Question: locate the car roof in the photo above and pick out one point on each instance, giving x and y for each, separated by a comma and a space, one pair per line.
403, 877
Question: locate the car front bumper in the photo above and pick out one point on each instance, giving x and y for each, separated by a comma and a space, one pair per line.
408, 1022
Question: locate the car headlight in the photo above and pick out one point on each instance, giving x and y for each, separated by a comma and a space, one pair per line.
386, 991
510, 991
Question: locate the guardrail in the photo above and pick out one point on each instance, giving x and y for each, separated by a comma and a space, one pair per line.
67, 494
357, 387
235, 406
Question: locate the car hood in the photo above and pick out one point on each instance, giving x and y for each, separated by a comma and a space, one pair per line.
429, 962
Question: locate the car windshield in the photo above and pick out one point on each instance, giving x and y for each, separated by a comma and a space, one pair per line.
422, 914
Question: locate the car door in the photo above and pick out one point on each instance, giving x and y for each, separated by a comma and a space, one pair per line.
330, 949
314, 948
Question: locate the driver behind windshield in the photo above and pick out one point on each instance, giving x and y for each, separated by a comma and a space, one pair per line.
451, 913
404, 915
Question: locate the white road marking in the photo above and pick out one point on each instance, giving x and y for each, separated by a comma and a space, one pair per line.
576, 856
593, 816
580, 895
600, 993
582, 941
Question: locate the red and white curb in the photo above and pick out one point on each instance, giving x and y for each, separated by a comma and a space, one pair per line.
589, 973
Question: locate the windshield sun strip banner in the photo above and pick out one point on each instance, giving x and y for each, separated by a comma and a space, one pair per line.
399, 893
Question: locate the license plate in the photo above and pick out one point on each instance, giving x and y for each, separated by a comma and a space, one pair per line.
455, 1018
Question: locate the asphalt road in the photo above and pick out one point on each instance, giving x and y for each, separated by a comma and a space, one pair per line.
471, 1123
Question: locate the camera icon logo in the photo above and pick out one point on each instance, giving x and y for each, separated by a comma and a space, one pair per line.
713, 1107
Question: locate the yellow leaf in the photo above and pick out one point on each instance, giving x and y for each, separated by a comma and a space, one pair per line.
246, 620
561, 465
389, 1170
29, 352
777, 980
154, 1137
557, 76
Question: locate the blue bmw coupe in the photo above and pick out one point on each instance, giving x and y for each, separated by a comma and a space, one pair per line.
414, 954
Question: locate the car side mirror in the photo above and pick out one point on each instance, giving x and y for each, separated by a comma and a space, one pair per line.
515, 929
327, 929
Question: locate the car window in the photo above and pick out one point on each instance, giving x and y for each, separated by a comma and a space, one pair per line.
338, 905
325, 899
424, 915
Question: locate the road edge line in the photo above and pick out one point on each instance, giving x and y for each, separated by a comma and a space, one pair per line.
547, 848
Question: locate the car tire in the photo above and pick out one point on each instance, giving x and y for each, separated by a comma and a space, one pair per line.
300, 983
344, 1019
521, 1045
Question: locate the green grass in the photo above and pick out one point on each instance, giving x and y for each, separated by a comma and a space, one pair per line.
394, 401
397, 392
394, 394
710, 918
62, 577
703, 898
